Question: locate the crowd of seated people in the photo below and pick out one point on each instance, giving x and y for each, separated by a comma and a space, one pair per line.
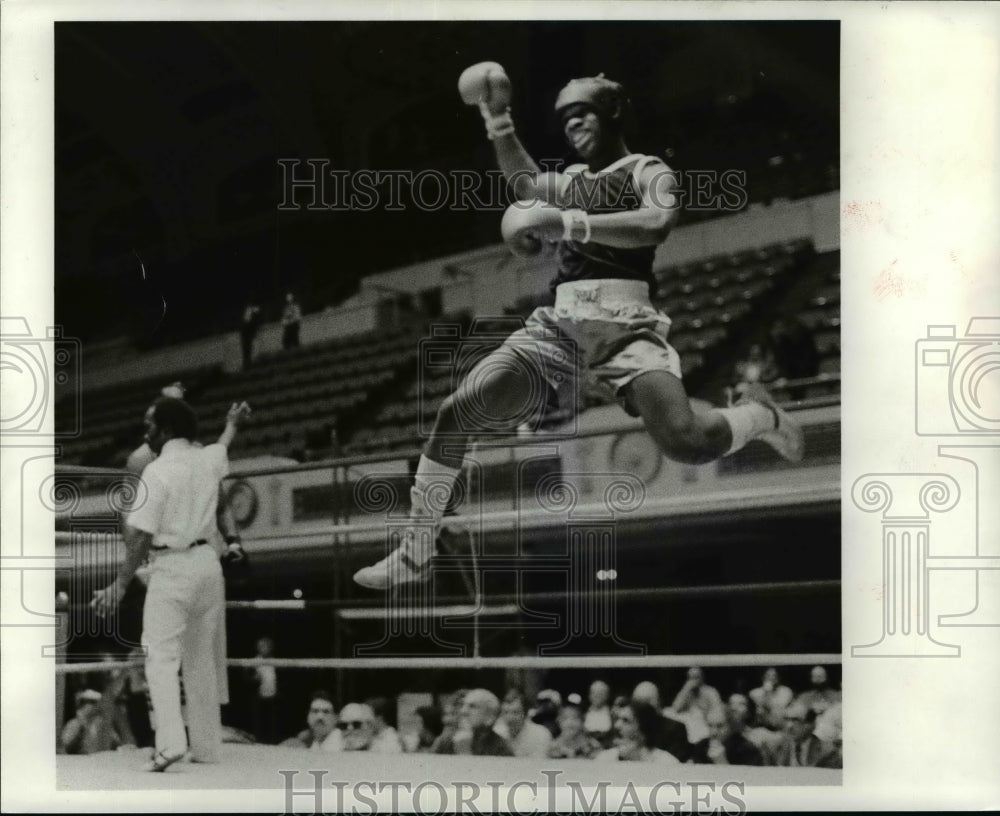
771, 725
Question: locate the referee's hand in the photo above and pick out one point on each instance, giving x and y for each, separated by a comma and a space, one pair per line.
235, 561
238, 413
105, 601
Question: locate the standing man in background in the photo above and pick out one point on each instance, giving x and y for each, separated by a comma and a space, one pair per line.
291, 321
265, 698
248, 332
186, 592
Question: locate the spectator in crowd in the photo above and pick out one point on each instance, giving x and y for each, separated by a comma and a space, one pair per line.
526, 739
265, 695
821, 695
357, 726
795, 353
249, 326
336, 449
671, 733
758, 367
114, 698
799, 746
830, 731
451, 709
636, 727
530, 680
321, 733
91, 730
725, 745
385, 738
474, 734
742, 720
770, 700
693, 702
291, 321
546, 710
573, 741
597, 722
431, 727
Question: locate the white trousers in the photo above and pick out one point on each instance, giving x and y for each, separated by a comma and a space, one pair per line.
184, 609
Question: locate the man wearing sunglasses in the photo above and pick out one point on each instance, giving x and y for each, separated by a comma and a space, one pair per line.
357, 727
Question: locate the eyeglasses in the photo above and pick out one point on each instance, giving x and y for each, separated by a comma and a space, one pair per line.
352, 724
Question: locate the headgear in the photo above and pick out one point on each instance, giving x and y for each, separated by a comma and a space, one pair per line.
604, 95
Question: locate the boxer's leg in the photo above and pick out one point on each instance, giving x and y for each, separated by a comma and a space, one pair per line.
503, 391
648, 376
682, 434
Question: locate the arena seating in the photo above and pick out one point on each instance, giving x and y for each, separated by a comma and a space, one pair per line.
821, 315
300, 396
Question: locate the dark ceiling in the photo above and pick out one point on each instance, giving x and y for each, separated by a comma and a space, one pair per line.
168, 137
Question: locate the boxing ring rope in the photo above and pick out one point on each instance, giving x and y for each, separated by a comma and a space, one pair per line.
513, 662
504, 601
500, 519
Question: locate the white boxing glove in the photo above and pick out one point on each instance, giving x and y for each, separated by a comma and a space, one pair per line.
530, 227
485, 82
487, 86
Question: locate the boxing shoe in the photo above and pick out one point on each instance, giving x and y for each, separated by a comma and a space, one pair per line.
787, 437
404, 565
162, 760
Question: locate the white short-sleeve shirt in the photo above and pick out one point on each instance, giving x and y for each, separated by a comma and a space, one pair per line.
181, 496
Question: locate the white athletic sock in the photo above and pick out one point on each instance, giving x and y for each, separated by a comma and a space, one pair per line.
747, 421
432, 488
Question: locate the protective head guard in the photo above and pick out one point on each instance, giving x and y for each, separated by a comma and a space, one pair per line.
604, 95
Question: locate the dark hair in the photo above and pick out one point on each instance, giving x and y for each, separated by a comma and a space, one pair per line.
431, 718
320, 694
648, 720
578, 710
518, 695
379, 706
177, 416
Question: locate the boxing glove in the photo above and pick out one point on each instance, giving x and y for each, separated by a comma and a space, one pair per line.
529, 227
485, 84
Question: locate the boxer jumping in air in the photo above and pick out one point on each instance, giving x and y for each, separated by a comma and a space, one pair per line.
606, 216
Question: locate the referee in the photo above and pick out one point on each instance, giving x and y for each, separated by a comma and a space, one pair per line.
186, 592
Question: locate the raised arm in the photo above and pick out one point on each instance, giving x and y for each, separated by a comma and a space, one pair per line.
486, 86
237, 416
